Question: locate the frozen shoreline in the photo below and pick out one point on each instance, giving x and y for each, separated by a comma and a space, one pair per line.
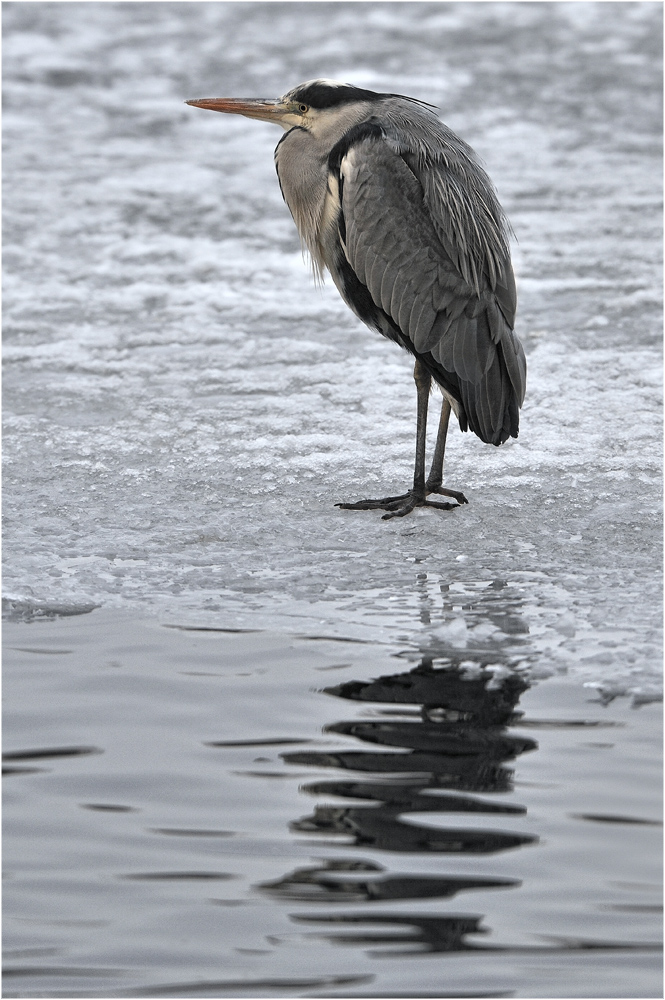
183, 408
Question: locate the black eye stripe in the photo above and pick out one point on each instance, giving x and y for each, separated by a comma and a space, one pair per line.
321, 95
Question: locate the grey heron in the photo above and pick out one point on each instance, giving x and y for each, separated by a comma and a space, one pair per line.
399, 210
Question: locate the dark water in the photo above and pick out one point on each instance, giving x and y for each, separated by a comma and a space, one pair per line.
209, 813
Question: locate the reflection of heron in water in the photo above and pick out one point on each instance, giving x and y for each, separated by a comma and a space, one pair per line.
358, 881
462, 752
402, 214
494, 605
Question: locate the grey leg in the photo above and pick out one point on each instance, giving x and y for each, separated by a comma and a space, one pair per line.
423, 381
435, 478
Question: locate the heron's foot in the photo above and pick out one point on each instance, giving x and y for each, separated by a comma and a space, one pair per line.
404, 504
434, 488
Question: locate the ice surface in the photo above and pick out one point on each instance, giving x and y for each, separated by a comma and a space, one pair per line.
183, 407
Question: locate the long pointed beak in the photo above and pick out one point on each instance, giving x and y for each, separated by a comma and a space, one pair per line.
267, 111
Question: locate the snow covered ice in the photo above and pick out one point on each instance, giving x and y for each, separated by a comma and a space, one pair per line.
183, 407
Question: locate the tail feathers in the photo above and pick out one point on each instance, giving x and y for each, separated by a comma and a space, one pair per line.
484, 358
491, 405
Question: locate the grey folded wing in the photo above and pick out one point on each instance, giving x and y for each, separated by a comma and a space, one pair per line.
398, 252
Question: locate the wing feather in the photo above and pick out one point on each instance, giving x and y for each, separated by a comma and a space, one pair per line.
389, 280
463, 334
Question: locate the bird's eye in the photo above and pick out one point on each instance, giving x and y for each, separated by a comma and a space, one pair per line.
303, 108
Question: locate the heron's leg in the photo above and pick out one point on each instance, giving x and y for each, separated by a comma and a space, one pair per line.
435, 478
401, 506
416, 497
423, 381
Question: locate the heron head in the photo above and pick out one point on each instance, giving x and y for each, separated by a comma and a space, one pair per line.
303, 106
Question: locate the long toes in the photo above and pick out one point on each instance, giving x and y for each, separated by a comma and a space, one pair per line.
360, 505
374, 504
363, 505
450, 493
397, 504
399, 511
402, 505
